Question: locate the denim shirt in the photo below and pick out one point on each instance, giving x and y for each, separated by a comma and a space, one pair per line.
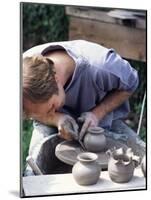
98, 71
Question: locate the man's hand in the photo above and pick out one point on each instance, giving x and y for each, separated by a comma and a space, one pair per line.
88, 119
68, 128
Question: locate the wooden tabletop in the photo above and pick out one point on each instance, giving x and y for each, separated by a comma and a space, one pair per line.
65, 183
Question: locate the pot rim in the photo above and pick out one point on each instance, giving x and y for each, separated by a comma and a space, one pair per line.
87, 157
95, 130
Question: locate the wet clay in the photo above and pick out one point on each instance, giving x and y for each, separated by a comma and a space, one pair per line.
86, 171
95, 140
121, 164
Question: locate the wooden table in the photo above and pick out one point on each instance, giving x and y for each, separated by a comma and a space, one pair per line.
64, 183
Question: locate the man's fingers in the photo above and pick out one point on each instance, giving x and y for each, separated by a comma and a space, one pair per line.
60, 130
84, 129
72, 127
69, 128
65, 133
75, 126
81, 119
72, 131
75, 132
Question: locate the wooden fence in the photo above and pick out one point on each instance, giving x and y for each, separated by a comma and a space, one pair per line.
125, 31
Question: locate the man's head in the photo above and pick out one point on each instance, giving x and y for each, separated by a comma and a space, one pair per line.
42, 91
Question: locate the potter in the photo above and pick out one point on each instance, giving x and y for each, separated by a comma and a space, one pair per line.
121, 164
94, 139
86, 171
70, 81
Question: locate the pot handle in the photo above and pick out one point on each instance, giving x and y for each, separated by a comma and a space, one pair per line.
136, 160
109, 152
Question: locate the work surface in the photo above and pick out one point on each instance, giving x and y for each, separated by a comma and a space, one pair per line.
64, 183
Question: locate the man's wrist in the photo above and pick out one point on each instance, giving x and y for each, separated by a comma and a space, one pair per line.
98, 114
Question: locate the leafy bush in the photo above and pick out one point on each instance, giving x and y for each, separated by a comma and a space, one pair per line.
137, 99
43, 23
26, 137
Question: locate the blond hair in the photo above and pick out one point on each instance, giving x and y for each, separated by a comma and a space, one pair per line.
39, 82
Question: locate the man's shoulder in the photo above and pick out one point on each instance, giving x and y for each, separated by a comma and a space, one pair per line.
43, 48
35, 50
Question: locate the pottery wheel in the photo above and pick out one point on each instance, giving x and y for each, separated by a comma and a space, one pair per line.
67, 151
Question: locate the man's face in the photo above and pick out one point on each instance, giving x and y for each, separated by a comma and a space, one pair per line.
44, 109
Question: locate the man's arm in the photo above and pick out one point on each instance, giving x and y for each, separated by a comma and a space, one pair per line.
67, 126
110, 73
110, 103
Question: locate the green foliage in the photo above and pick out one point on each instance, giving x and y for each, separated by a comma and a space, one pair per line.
26, 137
143, 133
43, 23
137, 98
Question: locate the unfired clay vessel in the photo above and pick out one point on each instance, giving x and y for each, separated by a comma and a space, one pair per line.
94, 140
121, 164
86, 171
143, 165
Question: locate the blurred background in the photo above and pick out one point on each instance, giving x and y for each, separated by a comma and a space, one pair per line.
124, 30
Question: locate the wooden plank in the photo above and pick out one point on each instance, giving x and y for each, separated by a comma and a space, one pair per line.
65, 183
89, 13
128, 42
102, 16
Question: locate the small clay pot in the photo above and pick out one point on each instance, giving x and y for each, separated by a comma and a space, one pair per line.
86, 171
143, 166
95, 140
121, 165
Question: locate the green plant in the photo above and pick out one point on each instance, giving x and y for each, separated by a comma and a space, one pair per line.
137, 99
43, 23
26, 137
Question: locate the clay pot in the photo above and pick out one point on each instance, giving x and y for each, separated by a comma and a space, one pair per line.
121, 164
143, 166
86, 171
94, 139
